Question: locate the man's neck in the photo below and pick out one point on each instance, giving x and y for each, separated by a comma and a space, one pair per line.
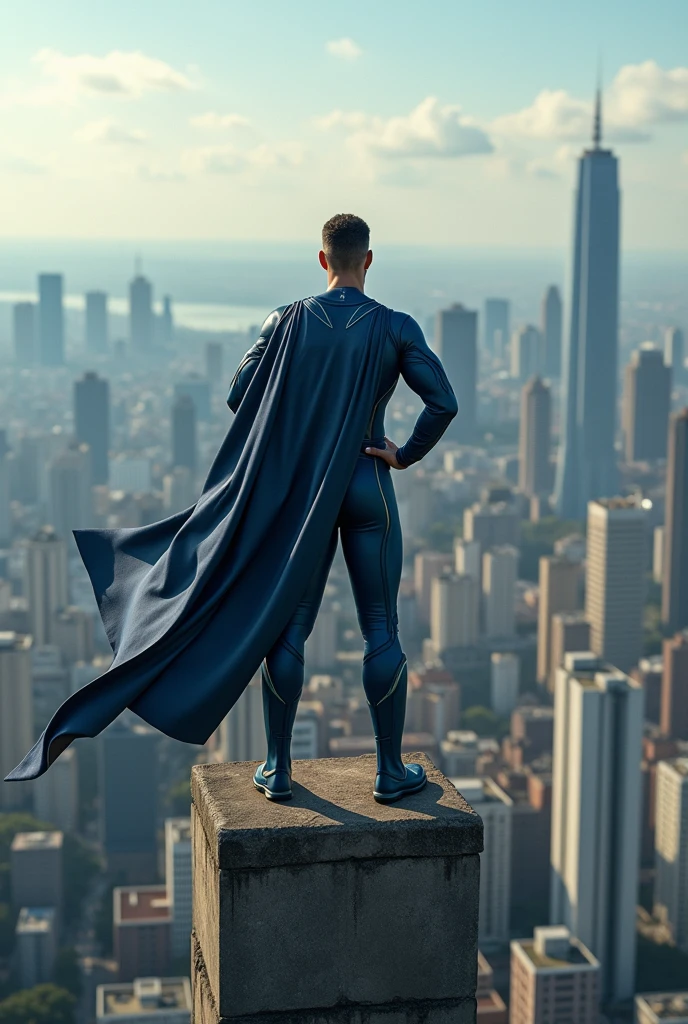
345, 280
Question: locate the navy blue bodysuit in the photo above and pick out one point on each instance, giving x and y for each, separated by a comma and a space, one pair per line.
368, 521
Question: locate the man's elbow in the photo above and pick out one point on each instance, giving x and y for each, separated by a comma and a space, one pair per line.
452, 406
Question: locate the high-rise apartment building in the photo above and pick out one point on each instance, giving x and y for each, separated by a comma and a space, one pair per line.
551, 327
454, 611
50, 320
56, 793
184, 443
92, 422
526, 353
673, 713
141, 322
671, 848
467, 560
491, 524
534, 439
24, 333
587, 459
426, 566
674, 354
214, 354
615, 580
16, 720
242, 731
141, 919
36, 869
178, 882
197, 388
504, 682
559, 581
596, 801
675, 560
96, 322
45, 581
570, 631
36, 945
71, 498
554, 978
646, 403
456, 341
496, 331
500, 571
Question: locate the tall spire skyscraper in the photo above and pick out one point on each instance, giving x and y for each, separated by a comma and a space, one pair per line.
587, 461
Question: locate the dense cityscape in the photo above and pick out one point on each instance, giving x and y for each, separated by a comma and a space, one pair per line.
543, 609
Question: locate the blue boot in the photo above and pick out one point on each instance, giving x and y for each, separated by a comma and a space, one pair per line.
394, 779
273, 776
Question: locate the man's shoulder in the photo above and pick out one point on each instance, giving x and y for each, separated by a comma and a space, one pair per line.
271, 321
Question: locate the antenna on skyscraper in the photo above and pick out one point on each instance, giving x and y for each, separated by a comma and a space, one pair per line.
597, 123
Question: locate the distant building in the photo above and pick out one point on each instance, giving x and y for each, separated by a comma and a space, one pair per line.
242, 731
178, 882
214, 354
145, 1001
649, 674
321, 646
596, 801
16, 720
615, 580
570, 632
674, 353
554, 977
551, 328
587, 458
56, 793
504, 673
467, 560
662, 1008
674, 701
459, 752
456, 343
305, 738
500, 571
141, 922
426, 566
454, 611
92, 422
128, 802
491, 524
71, 499
130, 474
96, 322
495, 808
526, 351
184, 443
72, 632
559, 581
531, 824
141, 322
24, 333
658, 554
671, 848
491, 1006
496, 334
646, 404
198, 390
534, 439
675, 588
45, 581
36, 869
50, 320
36, 939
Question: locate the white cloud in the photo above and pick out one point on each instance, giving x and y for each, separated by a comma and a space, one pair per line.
552, 115
110, 132
645, 94
216, 122
430, 130
344, 49
157, 176
229, 160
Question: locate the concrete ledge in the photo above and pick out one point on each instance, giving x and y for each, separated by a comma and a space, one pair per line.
332, 796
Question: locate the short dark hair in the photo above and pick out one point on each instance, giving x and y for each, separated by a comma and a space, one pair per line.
345, 241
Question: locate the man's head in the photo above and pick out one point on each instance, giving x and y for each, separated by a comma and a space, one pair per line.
345, 246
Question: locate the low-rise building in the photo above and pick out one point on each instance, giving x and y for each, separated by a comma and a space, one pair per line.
142, 920
662, 1008
553, 977
145, 1001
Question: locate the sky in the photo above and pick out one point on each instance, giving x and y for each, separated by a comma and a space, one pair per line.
442, 123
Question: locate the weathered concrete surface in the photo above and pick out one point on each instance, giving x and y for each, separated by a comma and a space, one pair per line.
332, 905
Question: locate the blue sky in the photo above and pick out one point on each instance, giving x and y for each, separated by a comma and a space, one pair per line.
441, 122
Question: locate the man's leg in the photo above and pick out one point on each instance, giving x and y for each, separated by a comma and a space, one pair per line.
372, 545
282, 674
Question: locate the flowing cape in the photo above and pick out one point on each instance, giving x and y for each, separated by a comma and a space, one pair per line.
192, 604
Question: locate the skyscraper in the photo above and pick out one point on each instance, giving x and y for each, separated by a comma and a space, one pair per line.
24, 333
675, 560
16, 720
671, 848
534, 439
553, 977
92, 422
615, 580
96, 322
184, 445
213, 362
50, 320
551, 327
496, 333
596, 799
674, 353
526, 348
457, 346
559, 580
141, 323
71, 501
646, 403
587, 461
500, 570
45, 581
178, 881
673, 714
454, 611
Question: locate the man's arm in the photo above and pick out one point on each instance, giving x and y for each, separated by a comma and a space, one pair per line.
423, 372
249, 364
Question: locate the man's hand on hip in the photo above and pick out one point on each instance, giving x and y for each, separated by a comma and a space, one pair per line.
387, 454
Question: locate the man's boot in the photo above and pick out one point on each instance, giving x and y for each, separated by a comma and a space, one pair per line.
394, 779
273, 776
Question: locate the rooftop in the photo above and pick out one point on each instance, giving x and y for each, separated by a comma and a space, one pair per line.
35, 920
154, 996
11, 641
134, 904
25, 841
179, 829
671, 1007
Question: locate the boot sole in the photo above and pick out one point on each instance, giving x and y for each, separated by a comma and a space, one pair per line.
284, 795
384, 798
